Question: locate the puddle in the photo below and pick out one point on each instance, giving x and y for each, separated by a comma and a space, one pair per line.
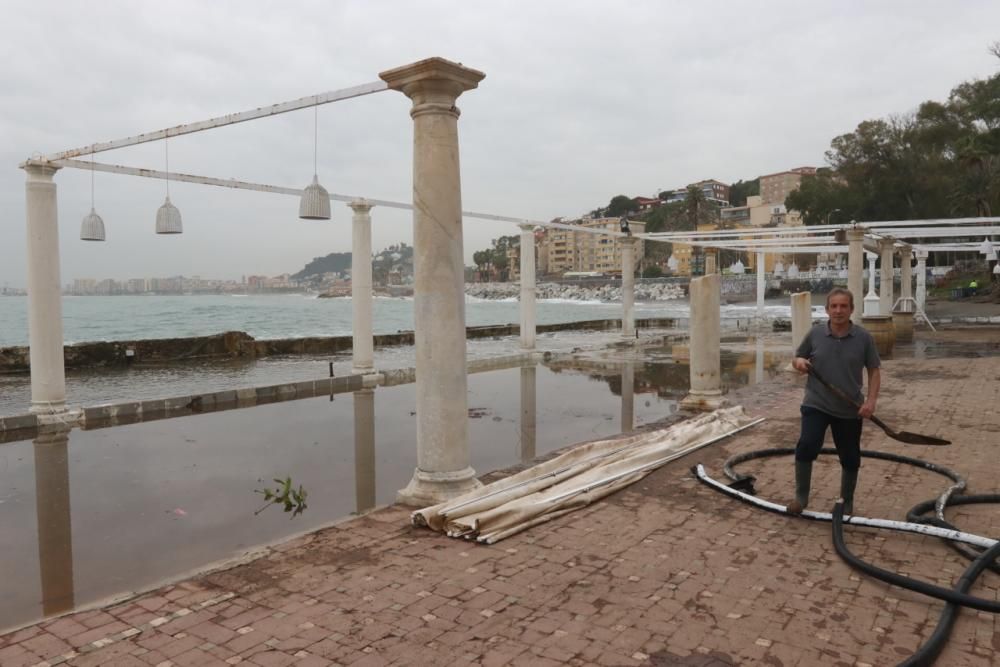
89, 514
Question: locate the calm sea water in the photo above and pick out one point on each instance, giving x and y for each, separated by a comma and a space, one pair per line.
95, 318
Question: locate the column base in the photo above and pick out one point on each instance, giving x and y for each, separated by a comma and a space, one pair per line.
704, 401
430, 488
47, 407
65, 418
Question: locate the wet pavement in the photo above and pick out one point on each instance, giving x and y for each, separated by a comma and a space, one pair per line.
664, 573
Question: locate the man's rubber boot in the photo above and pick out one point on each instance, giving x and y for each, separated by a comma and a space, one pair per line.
848, 482
803, 479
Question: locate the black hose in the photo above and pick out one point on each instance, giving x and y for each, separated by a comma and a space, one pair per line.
954, 598
934, 591
931, 649
959, 481
917, 512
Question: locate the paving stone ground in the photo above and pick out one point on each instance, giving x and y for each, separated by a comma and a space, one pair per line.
667, 572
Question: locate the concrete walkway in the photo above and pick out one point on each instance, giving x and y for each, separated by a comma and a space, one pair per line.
666, 572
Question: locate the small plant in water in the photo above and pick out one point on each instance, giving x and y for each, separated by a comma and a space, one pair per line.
293, 500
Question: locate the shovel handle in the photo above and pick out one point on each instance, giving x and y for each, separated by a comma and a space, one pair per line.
838, 391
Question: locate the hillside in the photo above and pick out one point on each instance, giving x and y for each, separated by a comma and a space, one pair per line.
398, 257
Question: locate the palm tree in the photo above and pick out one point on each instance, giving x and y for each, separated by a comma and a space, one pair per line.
694, 205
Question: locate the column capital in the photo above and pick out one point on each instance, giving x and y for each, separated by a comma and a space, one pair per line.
360, 205
526, 227
856, 234
433, 84
886, 244
921, 254
39, 171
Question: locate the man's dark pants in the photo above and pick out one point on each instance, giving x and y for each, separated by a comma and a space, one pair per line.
846, 437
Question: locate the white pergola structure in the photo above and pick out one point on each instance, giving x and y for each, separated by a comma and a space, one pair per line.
888, 238
433, 85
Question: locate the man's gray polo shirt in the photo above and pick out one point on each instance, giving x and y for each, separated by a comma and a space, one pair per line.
840, 361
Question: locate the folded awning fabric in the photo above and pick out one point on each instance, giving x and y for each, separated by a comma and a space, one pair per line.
574, 479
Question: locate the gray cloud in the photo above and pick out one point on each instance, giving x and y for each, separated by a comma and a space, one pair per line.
582, 101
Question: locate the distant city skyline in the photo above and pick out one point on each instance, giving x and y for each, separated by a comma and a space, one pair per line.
576, 107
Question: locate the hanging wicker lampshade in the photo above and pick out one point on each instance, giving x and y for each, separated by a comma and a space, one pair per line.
315, 202
168, 219
92, 228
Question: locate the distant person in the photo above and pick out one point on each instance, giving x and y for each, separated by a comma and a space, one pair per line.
838, 350
973, 284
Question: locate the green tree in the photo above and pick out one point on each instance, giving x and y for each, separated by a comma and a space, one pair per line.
620, 205
943, 160
740, 190
695, 205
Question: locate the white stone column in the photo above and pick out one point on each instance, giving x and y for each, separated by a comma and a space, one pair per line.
528, 413
801, 317
628, 396
54, 518
706, 376
45, 327
364, 450
628, 287
527, 287
856, 267
872, 305
711, 262
443, 471
922, 279
885, 277
906, 278
761, 286
362, 348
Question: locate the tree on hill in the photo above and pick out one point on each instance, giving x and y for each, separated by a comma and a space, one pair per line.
740, 190
336, 262
620, 205
941, 161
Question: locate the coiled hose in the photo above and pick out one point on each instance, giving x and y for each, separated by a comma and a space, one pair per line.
956, 597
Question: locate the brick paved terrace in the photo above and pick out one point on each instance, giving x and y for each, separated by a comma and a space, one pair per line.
667, 572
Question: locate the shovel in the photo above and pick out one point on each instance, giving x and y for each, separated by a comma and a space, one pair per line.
902, 436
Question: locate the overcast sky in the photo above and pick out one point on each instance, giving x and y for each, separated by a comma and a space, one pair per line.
582, 101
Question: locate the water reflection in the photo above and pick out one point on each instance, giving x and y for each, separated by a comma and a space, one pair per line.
628, 397
529, 382
364, 450
152, 500
758, 375
55, 526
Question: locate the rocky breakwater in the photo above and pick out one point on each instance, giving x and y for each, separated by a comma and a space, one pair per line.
610, 292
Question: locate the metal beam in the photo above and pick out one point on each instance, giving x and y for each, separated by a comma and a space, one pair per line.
222, 121
234, 184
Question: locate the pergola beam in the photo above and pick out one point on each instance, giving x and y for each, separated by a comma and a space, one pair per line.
234, 184
222, 121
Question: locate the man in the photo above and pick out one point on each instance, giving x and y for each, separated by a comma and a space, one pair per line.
838, 350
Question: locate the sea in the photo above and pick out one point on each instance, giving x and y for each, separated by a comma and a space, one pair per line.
114, 318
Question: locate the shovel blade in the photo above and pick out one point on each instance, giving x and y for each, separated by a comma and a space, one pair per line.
919, 439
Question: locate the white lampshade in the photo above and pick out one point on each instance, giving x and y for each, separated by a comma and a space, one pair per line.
92, 228
315, 202
986, 248
168, 219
